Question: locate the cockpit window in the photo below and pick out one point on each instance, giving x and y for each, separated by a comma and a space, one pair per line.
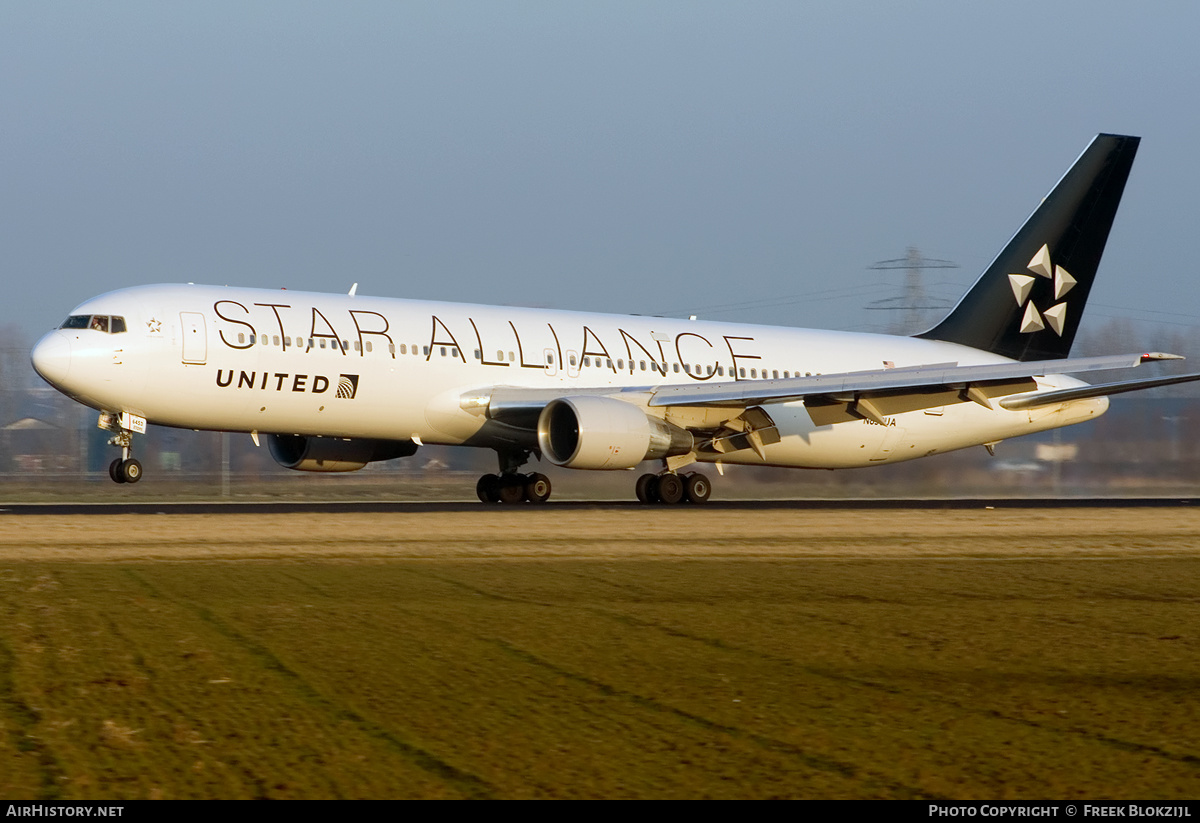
95, 322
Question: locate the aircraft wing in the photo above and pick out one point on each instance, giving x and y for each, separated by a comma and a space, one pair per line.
1032, 401
734, 415
833, 398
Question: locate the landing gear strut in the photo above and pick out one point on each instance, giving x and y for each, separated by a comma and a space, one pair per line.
509, 486
125, 469
670, 488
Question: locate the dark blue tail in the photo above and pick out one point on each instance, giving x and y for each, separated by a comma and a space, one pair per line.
1028, 303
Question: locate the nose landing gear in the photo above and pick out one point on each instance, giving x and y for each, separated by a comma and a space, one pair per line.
125, 469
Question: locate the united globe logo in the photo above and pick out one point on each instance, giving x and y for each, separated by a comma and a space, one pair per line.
347, 386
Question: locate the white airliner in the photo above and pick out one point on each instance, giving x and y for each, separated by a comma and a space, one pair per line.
338, 381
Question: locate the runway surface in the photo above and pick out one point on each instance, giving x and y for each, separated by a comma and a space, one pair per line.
382, 507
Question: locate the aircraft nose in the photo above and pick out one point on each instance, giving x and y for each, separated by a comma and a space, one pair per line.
52, 357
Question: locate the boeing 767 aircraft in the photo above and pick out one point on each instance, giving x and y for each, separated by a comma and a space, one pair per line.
338, 381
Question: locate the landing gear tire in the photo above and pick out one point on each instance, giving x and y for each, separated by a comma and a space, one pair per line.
647, 488
537, 488
697, 488
114, 471
131, 471
488, 488
512, 488
670, 489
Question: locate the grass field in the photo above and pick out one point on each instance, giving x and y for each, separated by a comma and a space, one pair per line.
614, 652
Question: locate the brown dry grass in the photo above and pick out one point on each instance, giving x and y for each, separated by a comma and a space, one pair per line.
611, 652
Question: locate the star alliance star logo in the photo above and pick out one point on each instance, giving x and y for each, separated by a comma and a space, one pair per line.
1056, 316
154, 326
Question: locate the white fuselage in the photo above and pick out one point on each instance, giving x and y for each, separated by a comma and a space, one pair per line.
286, 362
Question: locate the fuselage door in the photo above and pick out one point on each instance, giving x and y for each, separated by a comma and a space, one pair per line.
195, 339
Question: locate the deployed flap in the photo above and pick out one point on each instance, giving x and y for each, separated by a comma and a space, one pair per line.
825, 410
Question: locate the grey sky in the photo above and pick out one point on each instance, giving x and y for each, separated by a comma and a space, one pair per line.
643, 157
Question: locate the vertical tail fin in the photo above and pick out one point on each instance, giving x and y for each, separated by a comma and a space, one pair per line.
1028, 303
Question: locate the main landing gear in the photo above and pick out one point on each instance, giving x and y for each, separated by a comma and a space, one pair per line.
513, 488
671, 488
509, 486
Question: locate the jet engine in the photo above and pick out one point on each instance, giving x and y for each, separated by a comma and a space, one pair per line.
590, 432
332, 454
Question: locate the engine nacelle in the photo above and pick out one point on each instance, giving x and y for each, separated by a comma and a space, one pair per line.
603, 433
331, 454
